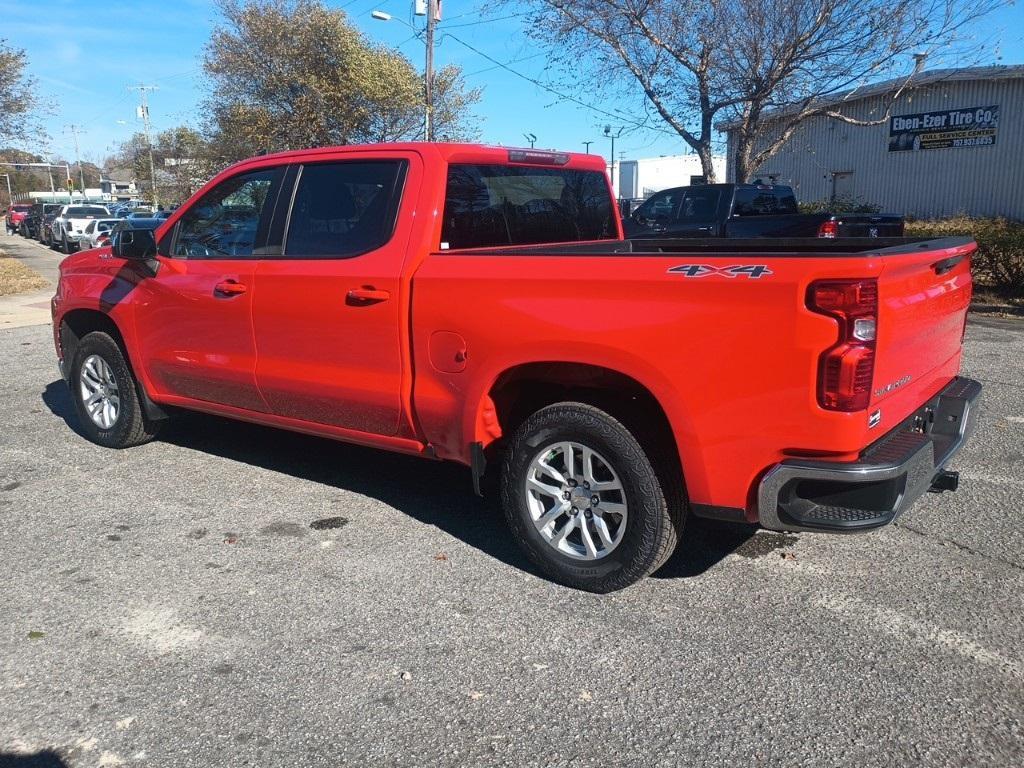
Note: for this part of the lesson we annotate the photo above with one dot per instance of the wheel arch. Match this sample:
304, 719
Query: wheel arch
77, 323
524, 388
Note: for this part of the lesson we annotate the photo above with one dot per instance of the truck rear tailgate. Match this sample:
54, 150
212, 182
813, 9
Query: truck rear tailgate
923, 296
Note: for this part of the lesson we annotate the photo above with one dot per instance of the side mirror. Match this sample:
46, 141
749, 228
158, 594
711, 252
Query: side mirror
135, 245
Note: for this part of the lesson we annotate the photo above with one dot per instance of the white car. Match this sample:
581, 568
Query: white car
69, 225
97, 233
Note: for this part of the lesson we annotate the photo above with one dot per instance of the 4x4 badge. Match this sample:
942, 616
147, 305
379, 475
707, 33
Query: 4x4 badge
736, 270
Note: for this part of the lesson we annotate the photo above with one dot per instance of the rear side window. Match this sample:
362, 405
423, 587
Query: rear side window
770, 201
497, 205
83, 211
341, 210
700, 204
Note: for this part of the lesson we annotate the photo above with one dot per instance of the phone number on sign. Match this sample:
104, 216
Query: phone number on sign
980, 141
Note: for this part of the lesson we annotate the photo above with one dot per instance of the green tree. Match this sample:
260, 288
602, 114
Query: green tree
181, 157
17, 97
288, 74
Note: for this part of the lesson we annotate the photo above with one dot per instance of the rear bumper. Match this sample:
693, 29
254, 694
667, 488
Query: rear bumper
892, 473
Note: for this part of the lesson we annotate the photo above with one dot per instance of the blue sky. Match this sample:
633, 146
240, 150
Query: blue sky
85, 54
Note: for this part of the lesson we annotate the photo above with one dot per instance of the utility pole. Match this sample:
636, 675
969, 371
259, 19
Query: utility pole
78, 157
432, 9
433, 14
10, 196
143, 112
587, 145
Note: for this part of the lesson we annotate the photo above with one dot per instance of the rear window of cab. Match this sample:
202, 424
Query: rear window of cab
501, 205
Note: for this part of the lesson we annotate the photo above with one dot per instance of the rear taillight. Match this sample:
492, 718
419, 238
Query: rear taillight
846, 369
828, 229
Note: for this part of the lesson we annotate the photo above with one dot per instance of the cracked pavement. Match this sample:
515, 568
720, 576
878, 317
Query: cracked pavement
231, 595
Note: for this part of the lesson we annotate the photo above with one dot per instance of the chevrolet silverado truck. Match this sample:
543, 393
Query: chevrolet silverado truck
747, 210
480, 305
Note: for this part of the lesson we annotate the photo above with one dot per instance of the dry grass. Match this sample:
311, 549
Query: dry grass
15, 277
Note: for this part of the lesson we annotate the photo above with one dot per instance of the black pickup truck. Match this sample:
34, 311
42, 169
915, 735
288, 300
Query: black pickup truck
747, 210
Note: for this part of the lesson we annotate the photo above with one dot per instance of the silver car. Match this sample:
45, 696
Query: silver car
97, 233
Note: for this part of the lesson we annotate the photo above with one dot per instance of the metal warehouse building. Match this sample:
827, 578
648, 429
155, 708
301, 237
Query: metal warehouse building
953, 143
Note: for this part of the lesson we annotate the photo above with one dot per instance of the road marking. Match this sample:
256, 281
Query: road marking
1015, 419
994, 479
857, 611
900, 625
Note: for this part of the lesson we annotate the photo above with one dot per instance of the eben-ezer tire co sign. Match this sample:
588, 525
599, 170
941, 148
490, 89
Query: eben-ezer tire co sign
970, 127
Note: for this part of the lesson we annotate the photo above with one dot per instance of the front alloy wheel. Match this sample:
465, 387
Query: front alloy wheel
99, 392
106, 394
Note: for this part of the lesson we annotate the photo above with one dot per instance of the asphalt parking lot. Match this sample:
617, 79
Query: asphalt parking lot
232, 595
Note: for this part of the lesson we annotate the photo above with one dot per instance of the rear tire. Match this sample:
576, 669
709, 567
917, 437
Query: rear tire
106, 394
604, 550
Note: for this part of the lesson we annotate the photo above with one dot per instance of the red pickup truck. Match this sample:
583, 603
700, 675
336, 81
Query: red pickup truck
479, 304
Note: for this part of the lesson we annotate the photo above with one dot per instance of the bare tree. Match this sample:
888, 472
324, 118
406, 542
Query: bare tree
696, 63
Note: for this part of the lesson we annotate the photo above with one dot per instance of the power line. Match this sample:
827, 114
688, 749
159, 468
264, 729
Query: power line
564, 96
483, 21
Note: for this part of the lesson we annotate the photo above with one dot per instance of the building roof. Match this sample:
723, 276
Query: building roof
920, 80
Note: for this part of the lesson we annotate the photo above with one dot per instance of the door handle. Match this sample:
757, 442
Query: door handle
228, 289
366, 295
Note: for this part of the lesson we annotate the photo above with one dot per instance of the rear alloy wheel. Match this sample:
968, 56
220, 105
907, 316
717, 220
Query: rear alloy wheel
106, 395
584, 501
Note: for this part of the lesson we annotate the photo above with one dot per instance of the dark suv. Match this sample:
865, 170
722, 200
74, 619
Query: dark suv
30, 224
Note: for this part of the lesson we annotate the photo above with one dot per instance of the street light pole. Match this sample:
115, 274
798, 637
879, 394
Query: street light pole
613, 137
10, 196
530, 137
587, 145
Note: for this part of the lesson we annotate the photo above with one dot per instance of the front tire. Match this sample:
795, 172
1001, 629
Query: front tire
583, 500
106, 395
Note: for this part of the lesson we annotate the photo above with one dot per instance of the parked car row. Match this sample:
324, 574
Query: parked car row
79, 226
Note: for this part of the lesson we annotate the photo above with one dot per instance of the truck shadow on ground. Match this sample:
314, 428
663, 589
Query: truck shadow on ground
45, 759
432, 492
